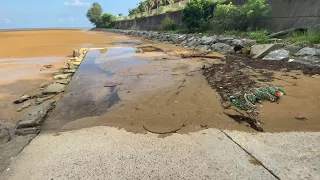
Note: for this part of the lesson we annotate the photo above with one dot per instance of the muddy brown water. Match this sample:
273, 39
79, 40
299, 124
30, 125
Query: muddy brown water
153, 91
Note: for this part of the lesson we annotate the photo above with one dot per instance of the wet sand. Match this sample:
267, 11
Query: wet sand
23, 54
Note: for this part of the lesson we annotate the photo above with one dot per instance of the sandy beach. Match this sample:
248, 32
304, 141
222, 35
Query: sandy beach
23, 55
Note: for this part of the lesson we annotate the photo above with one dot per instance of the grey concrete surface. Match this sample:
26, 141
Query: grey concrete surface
289, 155
110, 153
11, 149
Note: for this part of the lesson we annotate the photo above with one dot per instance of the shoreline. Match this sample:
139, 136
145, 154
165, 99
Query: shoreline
43, 29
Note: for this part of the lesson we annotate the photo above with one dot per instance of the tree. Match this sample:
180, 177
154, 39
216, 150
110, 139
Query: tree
134, 11
143, 7
170, 2
94, 14
150, 4
107, 20
120, 14
193, 14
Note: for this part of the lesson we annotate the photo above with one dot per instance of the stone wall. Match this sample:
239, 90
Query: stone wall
221, 44
285, 14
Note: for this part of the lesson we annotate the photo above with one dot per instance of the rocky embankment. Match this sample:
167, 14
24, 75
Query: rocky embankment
13, 137
228, 44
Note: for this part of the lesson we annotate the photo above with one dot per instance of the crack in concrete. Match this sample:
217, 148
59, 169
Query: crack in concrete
251, 155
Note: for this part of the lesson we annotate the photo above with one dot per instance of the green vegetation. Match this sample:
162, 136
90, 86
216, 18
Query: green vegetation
168, 24
305, 38
98, 19
231, 17
94, 14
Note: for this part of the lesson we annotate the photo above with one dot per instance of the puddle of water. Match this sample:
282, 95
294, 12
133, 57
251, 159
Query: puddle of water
87, 94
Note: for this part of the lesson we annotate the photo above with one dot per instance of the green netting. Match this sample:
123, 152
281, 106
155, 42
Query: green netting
247, 101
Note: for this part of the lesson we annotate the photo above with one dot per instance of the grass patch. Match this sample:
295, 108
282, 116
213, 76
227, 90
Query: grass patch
305, 38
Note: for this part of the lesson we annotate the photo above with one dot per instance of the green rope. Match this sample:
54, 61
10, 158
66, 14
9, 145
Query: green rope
247, 101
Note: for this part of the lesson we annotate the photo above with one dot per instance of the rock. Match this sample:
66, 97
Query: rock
41, 100
76, 63
66, 71
184, 43
27, 131
280, 54
63, 81
261, 50
222, 48
76, 53
4, 135
24, 106
225, 39
62, 76
21, 99
203, 47
308, 52
236, 42
292, 49
45, 84
35, 115
208, 40
309, 60
248, 42
192, 43
317, 76
54, 89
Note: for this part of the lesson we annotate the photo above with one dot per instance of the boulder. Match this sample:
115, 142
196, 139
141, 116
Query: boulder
280, 54
4, 135
62, 76
308, 52
184, 43
63, 81
21, 99
208, 40
204, 47
292, 49
222, 48
236, 42
261, 50
225, 39
309, 60
35, 116
27, 131
24, 106
192, 42
248, 42
43, 99
54, 89
76, 53
45, 84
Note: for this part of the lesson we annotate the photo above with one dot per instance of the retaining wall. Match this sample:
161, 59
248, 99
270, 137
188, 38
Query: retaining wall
285, 14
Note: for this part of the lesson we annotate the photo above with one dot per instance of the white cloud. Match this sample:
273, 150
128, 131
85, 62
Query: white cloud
76, 3
71, 19
61, 20
7, 21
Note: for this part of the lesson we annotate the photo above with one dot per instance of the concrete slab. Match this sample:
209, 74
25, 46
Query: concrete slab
11, 149
289, 155
261, 50
110, 153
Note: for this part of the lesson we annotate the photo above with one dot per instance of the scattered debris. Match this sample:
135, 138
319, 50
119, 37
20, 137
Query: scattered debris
301, 118
48, 66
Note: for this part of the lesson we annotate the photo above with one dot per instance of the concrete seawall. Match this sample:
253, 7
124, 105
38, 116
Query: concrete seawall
285, 14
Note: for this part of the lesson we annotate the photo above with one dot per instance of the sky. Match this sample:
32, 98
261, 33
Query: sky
16, 14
